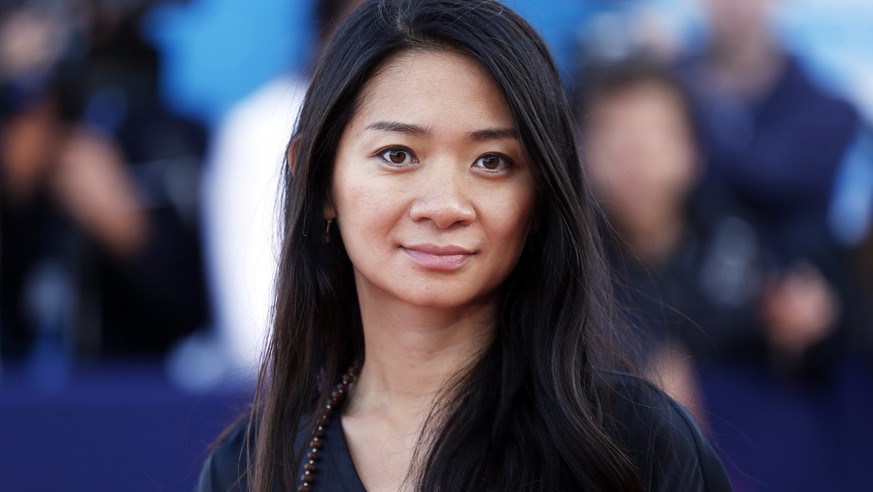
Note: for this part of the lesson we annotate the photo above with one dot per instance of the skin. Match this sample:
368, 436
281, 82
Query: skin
92, 184
745, 57
433, 198
800, 309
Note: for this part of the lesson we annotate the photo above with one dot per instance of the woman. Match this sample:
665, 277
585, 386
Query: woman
442, 302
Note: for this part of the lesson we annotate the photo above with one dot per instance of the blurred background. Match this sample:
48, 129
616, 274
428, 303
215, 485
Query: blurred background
729, 143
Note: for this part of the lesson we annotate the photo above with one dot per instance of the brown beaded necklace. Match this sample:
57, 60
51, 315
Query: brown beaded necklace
334, 404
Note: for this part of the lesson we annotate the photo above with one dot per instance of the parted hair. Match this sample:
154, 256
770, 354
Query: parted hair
524, 416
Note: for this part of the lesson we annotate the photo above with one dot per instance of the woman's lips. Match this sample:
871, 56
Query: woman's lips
445, 258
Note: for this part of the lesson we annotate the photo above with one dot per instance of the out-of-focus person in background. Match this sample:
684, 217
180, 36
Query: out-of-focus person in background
761, 275
774, 142
100, 246
240, 192
688, 273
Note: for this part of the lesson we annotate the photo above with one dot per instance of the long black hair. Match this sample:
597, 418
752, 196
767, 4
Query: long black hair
526, 415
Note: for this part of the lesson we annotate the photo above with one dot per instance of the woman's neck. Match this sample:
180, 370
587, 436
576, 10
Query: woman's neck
413, 352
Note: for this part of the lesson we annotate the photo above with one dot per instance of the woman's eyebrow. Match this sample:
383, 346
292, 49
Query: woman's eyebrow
494, 134
396, 126
416, 130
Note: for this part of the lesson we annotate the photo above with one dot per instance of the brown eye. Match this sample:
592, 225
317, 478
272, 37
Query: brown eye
397, 157
492, 163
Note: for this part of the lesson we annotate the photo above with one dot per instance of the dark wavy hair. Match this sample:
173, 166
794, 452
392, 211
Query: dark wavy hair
527, 415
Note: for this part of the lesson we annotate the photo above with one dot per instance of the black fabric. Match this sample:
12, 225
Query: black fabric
703, 296
663, 439
655, 431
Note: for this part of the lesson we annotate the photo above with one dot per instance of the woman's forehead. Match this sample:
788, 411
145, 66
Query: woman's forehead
433, 87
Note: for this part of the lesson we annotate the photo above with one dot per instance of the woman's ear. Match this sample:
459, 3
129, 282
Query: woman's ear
329, 210
291, 154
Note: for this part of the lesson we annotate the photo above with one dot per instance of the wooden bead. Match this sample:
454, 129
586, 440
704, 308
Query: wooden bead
336, 398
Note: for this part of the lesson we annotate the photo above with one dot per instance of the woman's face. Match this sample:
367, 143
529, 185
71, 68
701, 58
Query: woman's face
431, 190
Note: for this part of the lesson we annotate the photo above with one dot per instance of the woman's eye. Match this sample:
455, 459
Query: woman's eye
397, 157
493, 163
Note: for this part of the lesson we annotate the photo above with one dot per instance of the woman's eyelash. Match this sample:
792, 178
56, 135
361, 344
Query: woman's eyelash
396, 156
401, 156
493, 163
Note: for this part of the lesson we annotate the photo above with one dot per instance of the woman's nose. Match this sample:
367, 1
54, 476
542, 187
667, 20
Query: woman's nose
443, 197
